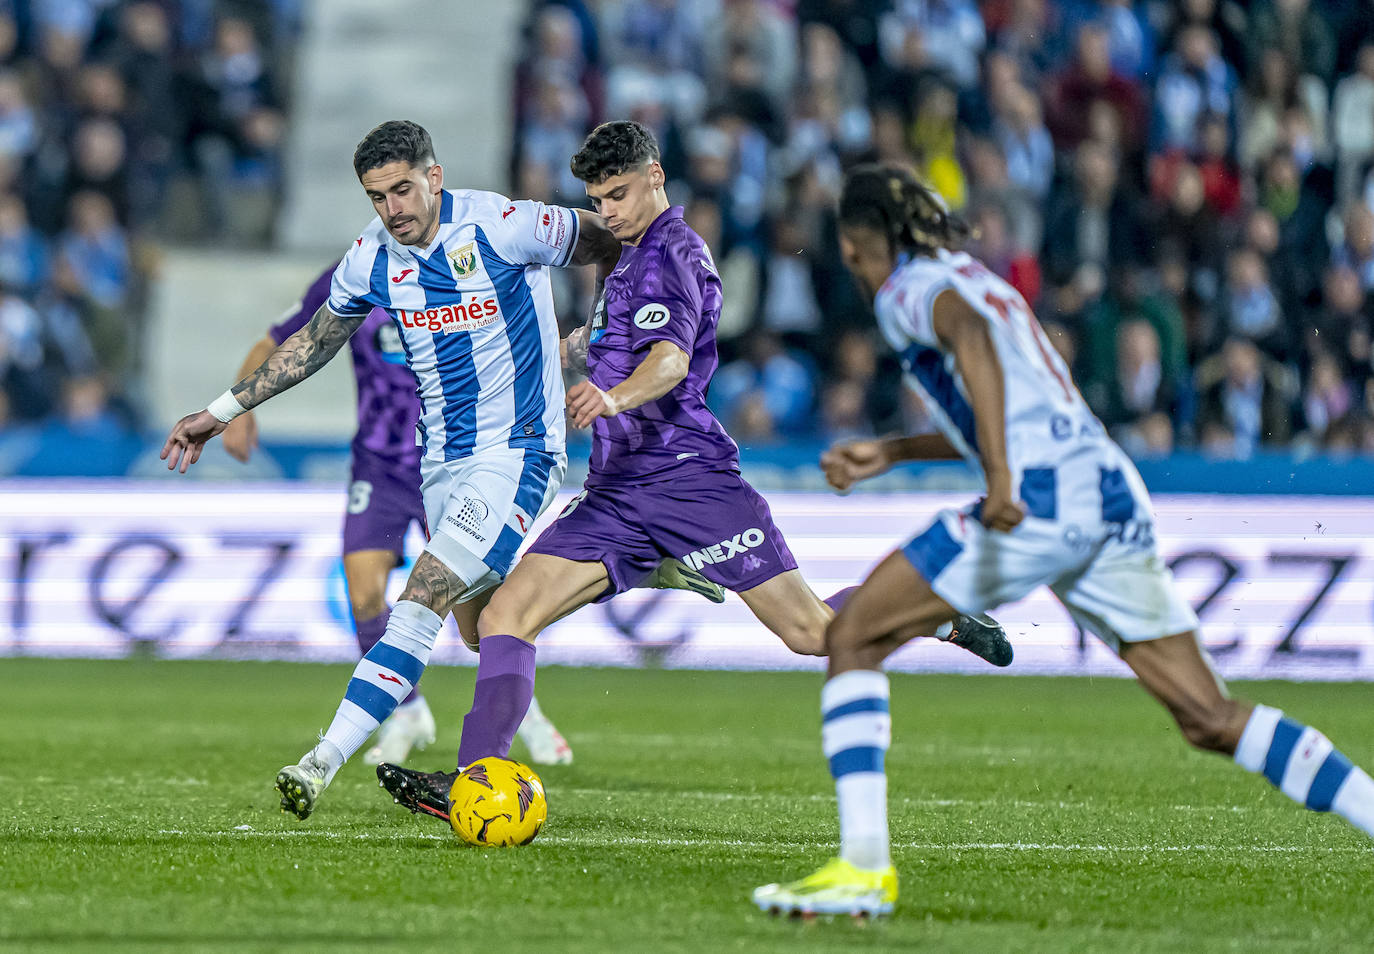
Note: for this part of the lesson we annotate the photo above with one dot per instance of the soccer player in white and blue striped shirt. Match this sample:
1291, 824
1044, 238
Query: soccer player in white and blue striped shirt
464, 274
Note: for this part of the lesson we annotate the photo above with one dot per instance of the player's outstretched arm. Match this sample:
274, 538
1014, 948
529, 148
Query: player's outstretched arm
662, 369
298, 357
241, 436
849, 462
964, 333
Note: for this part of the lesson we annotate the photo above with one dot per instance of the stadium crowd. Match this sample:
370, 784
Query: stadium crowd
120, 121
1181, 188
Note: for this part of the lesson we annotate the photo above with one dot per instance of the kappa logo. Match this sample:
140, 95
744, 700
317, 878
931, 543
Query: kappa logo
465, 261
751, 563
726, 549
651, 316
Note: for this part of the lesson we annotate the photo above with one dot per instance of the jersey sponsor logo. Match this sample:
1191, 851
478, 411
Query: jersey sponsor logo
552, 227
726, 549
451, 319
651, 316
397, 279
465, 262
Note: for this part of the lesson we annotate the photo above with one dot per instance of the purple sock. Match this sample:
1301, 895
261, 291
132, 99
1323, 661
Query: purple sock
505, 686
369, 631
837, 601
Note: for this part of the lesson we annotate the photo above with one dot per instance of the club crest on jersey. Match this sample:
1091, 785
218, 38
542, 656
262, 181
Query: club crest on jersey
651, 316
464, 261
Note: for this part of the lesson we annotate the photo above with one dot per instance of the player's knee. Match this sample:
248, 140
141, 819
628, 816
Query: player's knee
367, 602
503, 615
1209, 727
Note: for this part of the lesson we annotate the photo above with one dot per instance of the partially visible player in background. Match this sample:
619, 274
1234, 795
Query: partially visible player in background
664, 477
1065, 508
383, 501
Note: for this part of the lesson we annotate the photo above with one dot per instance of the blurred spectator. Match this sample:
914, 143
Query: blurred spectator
788, 304
659, 43
1299, 30
1352, 123
1139, 386
1089, 80
765, 395
1327, 397
1091, 227
1245, 400
1025, 141
945, 36
994, 245
1278, 105
23, 253
1342, 328
1250, 308
1356, 249
1194, 80
760, 34
18, 126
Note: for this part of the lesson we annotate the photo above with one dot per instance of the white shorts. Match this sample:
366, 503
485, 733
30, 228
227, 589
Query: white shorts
478, 509
1106, 572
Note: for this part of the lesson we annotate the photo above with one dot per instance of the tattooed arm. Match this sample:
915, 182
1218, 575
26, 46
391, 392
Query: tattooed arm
293, 361
596, 245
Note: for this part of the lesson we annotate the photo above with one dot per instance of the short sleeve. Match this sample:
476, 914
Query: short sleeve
905, 309
532, 233
667, 306
350, 289
297, 318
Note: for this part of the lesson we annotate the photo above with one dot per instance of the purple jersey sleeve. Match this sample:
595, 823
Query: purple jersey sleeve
669, 306
315, 296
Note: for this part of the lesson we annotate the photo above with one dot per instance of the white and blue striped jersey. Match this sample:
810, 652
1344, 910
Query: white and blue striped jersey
1048, 425
476, 317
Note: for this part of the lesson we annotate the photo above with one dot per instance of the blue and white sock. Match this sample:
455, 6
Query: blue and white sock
1303, 764
383, 677
856, 731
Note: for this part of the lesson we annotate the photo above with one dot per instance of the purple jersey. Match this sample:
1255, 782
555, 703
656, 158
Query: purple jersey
664, 289
387, 404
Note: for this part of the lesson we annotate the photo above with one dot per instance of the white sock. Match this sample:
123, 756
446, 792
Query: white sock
533, 717
855, 734
1303, 764
384, 677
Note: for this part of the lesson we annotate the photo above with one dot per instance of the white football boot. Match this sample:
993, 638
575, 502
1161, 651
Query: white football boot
411, 726
545, 743
301, 785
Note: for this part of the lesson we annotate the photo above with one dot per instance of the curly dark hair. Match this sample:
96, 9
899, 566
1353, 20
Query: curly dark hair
398, 140
612, 148
891, 200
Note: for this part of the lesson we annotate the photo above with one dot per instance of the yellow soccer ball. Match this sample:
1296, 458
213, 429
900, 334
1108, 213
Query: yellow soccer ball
497, 801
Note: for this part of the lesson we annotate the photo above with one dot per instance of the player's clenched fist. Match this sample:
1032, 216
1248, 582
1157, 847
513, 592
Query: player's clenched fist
846, 464
188, 439
587, 402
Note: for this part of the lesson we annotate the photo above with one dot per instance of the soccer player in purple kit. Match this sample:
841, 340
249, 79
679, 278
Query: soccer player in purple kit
664, 475
383, 501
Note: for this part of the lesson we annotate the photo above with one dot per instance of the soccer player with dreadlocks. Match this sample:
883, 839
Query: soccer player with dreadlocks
1064, 508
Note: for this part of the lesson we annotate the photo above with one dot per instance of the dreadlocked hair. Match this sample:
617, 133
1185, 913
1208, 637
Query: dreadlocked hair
891, 200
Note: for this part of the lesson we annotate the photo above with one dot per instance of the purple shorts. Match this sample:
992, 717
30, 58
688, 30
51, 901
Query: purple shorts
383, 499
714, 522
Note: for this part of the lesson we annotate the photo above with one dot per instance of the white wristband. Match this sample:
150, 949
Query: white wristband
226, 407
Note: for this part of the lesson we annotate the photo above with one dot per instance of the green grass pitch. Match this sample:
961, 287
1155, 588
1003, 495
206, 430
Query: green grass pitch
1028, 814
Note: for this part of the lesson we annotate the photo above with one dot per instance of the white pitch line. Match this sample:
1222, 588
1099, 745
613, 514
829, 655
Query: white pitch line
591, 840
910, 802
